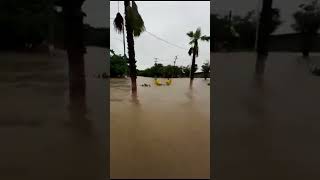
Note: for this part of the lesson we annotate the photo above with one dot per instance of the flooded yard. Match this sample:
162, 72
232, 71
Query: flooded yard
163, 133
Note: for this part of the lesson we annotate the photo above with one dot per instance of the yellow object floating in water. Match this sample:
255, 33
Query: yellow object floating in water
168, 82
157, 81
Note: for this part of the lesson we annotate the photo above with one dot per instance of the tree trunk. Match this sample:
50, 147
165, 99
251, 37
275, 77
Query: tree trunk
305, 53
263, 36
306, 44
260, 64
73, 22
51, 21
193, 64
132, 61
192, 67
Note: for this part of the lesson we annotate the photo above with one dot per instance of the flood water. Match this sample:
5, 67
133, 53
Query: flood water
163, 133
270, 131
38, 138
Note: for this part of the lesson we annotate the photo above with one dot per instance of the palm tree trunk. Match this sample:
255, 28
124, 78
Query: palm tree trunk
192, 67
263, 35
132, 61
73, 19
193, 64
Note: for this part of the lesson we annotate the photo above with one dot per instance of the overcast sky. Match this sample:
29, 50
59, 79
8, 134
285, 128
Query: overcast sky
287, 8
97, 12
169, 20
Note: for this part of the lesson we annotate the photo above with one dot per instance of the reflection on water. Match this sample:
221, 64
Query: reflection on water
163, 132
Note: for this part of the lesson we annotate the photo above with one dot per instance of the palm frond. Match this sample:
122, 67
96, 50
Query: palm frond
192, 42
118, 23
205, 38
139, 27
197, 34
112, 51
135, 20
190, 34
190, 51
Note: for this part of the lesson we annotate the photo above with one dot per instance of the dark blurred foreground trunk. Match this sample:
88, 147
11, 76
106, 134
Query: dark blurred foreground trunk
263, 37
74, 44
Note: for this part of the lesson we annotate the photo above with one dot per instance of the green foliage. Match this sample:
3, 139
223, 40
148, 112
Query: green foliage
118, 65
118, 23
206, 69
158, 70
275, 21
135, 20
240, 32
307, 18
246, 28
23, 22
220, 27
96, 36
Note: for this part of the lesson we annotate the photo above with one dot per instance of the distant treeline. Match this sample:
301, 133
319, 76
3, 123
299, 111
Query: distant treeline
97, 36
235, 32
159, 70
119, 68
34, 24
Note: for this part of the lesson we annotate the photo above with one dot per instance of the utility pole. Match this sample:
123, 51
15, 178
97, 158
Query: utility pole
156, 60
174, 65
124, 39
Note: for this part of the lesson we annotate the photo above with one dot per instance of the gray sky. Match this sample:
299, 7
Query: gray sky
287, 8
97, 12
169, 20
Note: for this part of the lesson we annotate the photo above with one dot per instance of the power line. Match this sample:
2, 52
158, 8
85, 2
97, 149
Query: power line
161, 39
165, 40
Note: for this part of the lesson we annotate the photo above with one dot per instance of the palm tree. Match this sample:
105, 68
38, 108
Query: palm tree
194, 50
307, 22
206, 70
134, 27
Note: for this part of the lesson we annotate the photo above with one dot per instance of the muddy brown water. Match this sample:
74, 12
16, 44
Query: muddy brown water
163, 133
38, 140
270, 132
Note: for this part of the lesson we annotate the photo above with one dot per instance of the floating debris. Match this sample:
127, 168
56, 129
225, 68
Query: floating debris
145, 85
